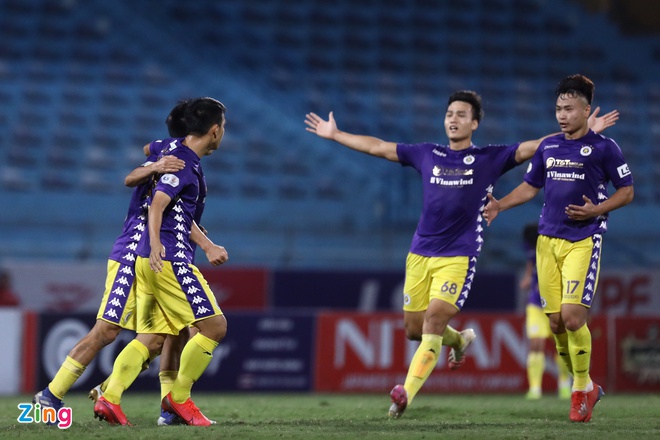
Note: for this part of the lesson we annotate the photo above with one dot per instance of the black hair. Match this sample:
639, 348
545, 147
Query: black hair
202, 113
471, 98
576, 85
530, 234
175, 121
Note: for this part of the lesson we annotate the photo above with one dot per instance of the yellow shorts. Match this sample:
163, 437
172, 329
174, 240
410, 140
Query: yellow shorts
172, 299
118, 303
568, 271
537, 324
446, 278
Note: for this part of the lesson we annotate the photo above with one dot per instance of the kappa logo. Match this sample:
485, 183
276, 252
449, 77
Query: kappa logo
197, 300
201, 310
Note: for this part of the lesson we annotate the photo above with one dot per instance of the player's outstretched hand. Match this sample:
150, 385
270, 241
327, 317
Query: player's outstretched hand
491, 210
607, 120
321, 127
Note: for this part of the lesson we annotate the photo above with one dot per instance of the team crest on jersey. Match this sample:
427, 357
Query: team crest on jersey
170, 179
585, 150
468, 160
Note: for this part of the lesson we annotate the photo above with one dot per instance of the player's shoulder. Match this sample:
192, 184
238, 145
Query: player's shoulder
495, 148
422, 145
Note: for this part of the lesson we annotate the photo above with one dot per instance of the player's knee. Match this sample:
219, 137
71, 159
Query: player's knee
105, 333
573, 324
413, 332
214, 328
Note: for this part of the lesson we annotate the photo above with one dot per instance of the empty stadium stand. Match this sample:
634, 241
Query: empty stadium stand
84, 85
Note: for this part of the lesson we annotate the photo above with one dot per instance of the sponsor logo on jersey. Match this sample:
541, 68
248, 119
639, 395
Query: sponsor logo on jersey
623, 170
441, 171
552, 162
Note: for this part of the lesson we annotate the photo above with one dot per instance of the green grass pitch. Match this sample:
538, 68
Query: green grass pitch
354, 416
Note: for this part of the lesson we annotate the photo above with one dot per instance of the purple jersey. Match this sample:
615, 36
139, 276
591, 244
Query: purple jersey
185, 189
570, 168
126, 244
455, 184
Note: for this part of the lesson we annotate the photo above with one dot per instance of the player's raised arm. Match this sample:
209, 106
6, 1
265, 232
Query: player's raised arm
598, 124
364, 144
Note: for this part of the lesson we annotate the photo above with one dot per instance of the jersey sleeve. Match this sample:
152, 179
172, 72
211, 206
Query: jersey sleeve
410, 155
535, 174
173, 183
508, 156
615, 166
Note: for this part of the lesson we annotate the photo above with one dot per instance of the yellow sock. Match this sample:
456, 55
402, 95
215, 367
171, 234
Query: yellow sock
423, 362
126, 368
145, 366
195, 357
561, 342
563, 379
563, 375
579, 344
451, 337
66, 376
104, 384
167, 379
535, 368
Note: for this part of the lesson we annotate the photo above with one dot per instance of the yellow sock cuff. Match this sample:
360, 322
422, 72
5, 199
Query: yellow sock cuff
207, 344
65, 377
167, 376
140, 347
451, 337
435, 340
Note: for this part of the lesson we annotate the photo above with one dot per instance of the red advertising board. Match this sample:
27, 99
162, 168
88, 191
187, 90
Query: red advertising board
637, 354
369, 353
238, 288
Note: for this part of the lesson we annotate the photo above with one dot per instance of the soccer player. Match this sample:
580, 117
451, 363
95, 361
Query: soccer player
117, 309
537, 325
171, 291
574, 168
441, 263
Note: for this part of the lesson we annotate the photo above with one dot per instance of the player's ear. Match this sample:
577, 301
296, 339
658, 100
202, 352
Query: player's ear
215, 131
